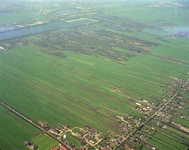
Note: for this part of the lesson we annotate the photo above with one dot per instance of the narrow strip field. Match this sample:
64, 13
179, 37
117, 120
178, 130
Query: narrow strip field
80, 89
181, 121
171, 141
14, 131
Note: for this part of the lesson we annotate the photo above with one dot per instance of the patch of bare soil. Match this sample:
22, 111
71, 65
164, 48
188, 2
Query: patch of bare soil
165, 2
116, 90
173, 78
113, 117
110, 109
184, 129
107, 59
154, 6
165, 127
169, 24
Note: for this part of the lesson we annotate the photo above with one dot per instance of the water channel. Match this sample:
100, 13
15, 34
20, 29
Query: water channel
41, 28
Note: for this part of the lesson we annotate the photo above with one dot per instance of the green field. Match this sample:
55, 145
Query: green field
53, 86
64, 29
90, 74
139, 35
145, 148
181, 121
186, 95
44, 142
122, 50
151, 14
72, 140
159, 145
171, 50
170, 140
31, 37
178, 134
75, 130
162, 142
14, 131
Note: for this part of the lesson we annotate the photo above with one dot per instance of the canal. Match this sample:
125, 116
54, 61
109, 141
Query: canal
41, 28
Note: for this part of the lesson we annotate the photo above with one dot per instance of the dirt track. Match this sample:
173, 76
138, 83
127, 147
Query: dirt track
178, 61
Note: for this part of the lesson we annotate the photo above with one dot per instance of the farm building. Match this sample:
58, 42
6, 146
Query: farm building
2, 48
138, 104
55, 148
64, 148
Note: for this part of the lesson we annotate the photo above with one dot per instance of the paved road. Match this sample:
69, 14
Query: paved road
155, 112
52, 136
167, 102
31, 122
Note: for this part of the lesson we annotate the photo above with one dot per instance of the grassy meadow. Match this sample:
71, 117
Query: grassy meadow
172, 141
75, 130
153, 14
145, 148
44, 142
72, 140
14, 131
80, 89
175, 49
165, 141
31, 37
181, 121
130, 54
15, 17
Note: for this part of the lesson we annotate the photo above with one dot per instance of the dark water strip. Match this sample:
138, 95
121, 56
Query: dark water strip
40, 28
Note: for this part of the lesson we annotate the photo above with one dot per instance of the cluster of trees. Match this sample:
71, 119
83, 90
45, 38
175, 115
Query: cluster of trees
81, 43
129, 42
92, 45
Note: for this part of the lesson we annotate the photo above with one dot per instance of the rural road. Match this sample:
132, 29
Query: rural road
32, 123
167, 102
155, 112
53, 137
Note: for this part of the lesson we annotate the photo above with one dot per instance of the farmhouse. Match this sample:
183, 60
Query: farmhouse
63, 148
62, 127
54, 131
145, 101
2, 48
67, 126
181, 107
55, 148
180, 97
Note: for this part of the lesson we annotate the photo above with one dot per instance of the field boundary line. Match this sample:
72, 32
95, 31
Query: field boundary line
31, 122
142, 124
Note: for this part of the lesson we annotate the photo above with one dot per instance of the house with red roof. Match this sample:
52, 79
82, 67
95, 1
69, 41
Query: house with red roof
64, 148
55, 148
